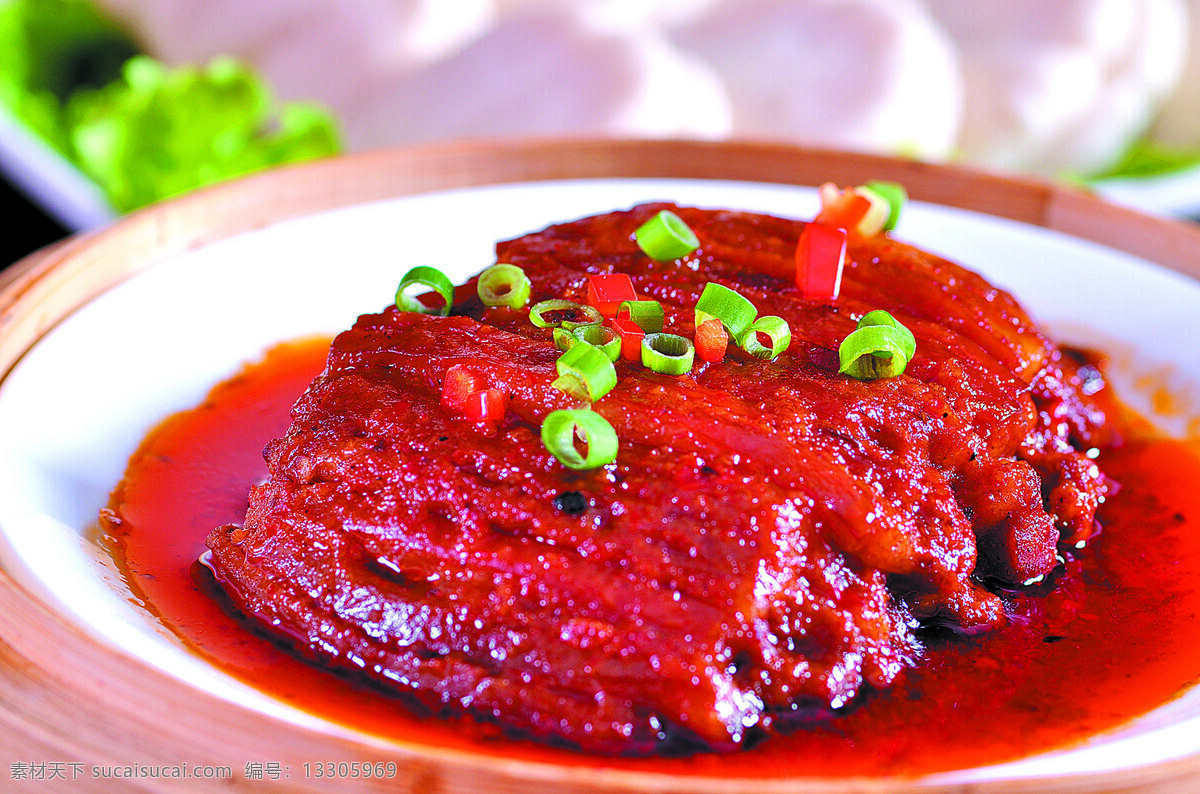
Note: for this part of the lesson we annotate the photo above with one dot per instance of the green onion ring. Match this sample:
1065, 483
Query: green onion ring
874, 351
585, 372
561, 428
774, 327
666, 237
536, 314
564, 340
647, 314
592, 316
504, 285
608, 340
426, 277
595, 335
669, 354
896, 196
734, 310
881, 317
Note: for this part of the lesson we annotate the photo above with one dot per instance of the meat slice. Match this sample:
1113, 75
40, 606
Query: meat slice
764, 548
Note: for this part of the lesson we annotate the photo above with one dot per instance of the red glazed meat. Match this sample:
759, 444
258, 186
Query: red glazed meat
765, 547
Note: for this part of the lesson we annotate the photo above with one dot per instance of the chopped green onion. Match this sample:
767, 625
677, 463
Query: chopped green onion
588, 315
585, 373
561, 428
564, 340
669, 354
666, 237
504, 285
606, 339
567, 314
733, 310
878, 211
873, 351
429, 277
881, 347
551, 309
881, 317
647, 314
774, 327
896, 196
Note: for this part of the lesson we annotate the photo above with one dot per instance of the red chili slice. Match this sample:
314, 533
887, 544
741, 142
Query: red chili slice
487, 405
631, 338
459, 384
842, 210
711, 340
606, 293
820, 256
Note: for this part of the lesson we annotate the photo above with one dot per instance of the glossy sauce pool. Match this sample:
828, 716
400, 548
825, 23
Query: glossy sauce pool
1117, 635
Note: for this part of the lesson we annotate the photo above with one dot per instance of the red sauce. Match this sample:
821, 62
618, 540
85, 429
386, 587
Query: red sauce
1115, 636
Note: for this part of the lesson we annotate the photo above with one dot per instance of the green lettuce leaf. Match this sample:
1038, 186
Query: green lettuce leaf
1146, 158
141, 130
159, 132
48, 50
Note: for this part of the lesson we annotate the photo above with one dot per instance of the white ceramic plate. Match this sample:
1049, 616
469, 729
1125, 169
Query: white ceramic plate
78, 404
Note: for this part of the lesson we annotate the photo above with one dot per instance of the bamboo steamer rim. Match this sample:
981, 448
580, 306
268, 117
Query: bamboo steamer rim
67, 697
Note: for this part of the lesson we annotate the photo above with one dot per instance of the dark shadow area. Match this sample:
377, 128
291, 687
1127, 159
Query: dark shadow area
26, 228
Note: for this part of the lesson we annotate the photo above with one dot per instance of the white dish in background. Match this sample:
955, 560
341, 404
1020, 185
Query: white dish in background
78, 404
60, 189
1176, 194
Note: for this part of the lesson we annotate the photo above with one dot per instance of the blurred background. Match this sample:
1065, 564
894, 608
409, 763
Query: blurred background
109, 105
